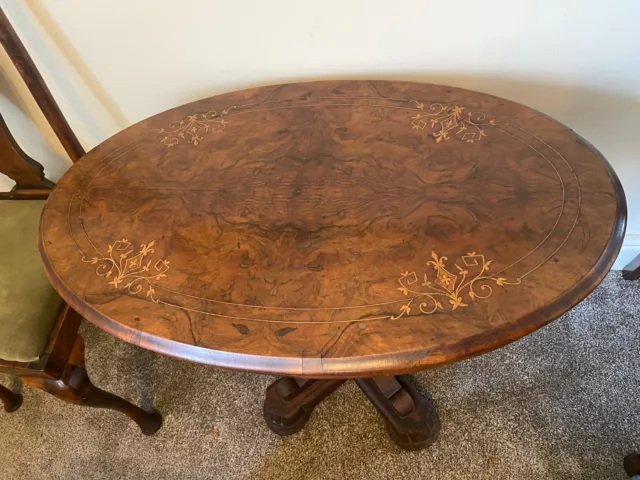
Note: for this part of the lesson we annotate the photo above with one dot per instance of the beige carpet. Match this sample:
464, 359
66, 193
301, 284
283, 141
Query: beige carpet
563, 403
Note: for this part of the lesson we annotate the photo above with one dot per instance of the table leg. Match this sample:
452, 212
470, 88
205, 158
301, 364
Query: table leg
290, 401
632, 464
75, 387
11, 401
412, 420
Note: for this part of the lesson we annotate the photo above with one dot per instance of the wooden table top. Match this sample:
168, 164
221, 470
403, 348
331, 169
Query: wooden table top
343, 229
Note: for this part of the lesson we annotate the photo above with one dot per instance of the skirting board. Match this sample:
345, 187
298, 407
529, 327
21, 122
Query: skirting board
630, 250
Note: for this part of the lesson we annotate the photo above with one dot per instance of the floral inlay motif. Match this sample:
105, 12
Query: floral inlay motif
127, 269
439, 284
447, 119
193, 128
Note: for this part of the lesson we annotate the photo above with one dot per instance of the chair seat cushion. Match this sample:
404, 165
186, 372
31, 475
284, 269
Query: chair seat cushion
29, 305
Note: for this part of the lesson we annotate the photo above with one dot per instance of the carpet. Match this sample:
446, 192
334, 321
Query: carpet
562, 403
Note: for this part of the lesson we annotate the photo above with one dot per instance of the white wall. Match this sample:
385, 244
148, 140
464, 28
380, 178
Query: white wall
113, 62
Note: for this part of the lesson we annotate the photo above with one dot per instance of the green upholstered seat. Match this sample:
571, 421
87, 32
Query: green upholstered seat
28, 303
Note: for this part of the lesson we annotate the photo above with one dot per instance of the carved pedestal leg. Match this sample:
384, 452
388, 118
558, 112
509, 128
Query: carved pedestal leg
11, 401
290, 401
412, 420
75, 387
632, 464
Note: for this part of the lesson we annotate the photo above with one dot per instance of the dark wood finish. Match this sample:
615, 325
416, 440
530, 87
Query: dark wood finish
38, 88
632, 464
412, 420
10, 400
75, 387
18, 166
60, 370
290, 401
337, 229
26, 194
632, 271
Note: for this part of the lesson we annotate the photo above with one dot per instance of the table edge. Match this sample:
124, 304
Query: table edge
372, 365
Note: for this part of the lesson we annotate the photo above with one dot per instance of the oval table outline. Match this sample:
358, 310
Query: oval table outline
403, 362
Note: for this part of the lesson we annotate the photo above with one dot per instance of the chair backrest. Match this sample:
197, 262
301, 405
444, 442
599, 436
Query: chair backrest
14, 162
21, 168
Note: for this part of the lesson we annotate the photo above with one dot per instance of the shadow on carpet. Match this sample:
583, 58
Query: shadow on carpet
562, 403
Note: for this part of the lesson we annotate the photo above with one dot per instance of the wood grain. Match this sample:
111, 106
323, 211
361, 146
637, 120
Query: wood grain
334, 229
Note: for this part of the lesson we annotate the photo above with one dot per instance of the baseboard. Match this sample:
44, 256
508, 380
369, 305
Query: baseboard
630, 250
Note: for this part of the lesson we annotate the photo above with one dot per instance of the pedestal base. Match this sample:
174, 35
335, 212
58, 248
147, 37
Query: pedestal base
290, 401
412, 420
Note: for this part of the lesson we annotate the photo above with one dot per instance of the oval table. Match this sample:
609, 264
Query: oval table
334, 230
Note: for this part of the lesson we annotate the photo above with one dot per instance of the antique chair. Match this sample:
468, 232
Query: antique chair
39, 338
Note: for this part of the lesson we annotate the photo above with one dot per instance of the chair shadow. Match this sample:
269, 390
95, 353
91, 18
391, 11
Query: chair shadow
78, 64
145, 380
16, 385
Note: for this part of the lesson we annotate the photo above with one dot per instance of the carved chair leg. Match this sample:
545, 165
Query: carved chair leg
290, 401
75, 387
412, 420
11, 401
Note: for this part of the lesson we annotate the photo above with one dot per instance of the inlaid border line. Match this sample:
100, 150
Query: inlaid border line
85, 184
265, 320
